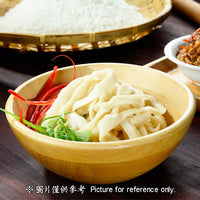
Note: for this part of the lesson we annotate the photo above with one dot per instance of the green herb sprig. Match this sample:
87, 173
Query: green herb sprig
57, 128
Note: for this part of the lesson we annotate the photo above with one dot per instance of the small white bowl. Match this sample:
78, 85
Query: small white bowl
171, 51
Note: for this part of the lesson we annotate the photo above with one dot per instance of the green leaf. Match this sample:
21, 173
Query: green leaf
54, 131
83, 136
38, 128
56, 116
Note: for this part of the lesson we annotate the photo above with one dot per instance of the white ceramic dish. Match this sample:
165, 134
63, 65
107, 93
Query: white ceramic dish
190, 71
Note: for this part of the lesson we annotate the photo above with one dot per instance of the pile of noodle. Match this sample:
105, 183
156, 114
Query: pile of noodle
112, 109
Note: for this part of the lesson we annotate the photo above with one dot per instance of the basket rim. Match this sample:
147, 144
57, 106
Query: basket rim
90, 37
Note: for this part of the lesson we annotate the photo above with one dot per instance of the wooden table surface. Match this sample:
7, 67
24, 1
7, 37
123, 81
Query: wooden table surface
21, 177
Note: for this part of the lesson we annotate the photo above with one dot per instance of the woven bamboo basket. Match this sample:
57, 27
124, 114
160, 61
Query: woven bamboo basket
155, 12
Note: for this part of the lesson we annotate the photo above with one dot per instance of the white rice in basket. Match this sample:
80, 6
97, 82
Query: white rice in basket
69, 16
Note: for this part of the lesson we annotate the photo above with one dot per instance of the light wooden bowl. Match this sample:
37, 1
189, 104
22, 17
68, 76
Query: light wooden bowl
155, 11
108, 162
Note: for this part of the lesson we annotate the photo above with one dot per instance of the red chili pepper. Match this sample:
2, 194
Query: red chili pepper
29, 112
31, 102
42, 112
33, 117
186, 40
50, 92
53, 90
49, 83
182, 47
30, 109
71, 61
39, 106
21, 115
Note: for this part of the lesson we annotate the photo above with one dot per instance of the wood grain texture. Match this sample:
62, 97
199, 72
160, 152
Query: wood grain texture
18, 170
165, 65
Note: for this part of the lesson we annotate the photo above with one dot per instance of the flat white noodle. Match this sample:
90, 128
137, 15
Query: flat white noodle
112, 109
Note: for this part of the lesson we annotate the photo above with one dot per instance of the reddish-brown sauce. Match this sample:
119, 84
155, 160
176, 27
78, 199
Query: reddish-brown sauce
191, 52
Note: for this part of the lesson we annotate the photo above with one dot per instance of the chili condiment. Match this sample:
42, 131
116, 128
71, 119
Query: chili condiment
191, 52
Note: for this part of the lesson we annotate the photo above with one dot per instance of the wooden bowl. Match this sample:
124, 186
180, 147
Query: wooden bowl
155, 12
108, 162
